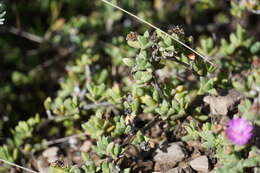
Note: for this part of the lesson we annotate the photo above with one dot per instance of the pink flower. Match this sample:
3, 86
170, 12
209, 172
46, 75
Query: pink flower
239, 131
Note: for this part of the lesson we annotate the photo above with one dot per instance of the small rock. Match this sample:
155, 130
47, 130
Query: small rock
188, 170
73, 143
86, 146
221, 105
171, 156
175, 170
200, 164
52, 159
51, 154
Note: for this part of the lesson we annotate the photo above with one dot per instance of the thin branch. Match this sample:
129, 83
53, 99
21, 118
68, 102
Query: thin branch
184, 64
153, 26
51, 61
18, 166
131, 137
45, 64
94, 105
158, 87
64, 139
24, 34
254, 11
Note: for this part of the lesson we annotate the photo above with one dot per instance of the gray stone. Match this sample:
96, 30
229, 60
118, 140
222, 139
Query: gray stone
221, 105
51, 154
171, 156
175, 170
200, 164
86, 146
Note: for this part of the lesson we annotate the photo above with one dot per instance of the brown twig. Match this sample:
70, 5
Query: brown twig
24, 34
184, 64
130, 138
51, 61
94, 105
64, 139
18, 166
158, 87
